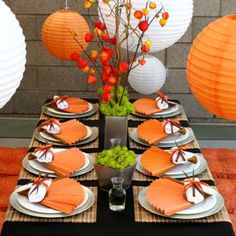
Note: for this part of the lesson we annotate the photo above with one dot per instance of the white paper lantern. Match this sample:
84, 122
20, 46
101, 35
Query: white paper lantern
149, 78
12, 54
180, 12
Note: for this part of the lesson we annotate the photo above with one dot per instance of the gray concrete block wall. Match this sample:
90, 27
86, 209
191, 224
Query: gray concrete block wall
46, 76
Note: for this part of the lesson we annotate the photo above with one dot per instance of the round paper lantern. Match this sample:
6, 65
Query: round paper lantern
211, 68
56, 35
180, 11
148, 78
12, 54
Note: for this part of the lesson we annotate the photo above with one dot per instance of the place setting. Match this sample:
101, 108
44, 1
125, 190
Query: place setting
159, 107
52, 198
167, 133
67, 107
184, 200
175, 162
67, 133
58, 162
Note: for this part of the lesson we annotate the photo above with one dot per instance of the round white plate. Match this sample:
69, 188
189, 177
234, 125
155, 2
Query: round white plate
39, 208
172, 141
90, 202
202, 213
178, 169
29, 168
52, 139
52, 110
41, 168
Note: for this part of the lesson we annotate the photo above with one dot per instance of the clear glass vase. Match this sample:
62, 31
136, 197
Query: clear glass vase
117, 195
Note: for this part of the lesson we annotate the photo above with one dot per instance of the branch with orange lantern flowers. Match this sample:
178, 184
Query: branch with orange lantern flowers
108, 60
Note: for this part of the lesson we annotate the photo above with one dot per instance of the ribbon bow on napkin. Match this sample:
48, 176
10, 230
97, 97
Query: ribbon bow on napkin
42, 154
172, 126
51, 126
61, 102
162, 101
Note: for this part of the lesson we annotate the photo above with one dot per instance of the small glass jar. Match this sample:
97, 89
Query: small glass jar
117, 195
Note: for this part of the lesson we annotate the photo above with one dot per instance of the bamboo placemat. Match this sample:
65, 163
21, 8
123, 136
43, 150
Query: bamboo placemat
95, 116
24, 174
142, 215
93, 144
89, 216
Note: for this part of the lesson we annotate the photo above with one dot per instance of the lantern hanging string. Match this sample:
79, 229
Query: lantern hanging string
66, 5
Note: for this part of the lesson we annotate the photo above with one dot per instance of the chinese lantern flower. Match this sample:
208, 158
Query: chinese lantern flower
107, 88
138, 14
106, 97
143, 25
104, 57
124, 66
107, 70
75, 56
105, 37
86, 69
98, 32
89, 37
115, 71
142, 61
81, 63
109, 51
98, 24
111, 80
145, 48
145, 11
165, 15
106, 1
94, 55
112, 40
152, 5
148, 43
162, 22
91, 79
92, 71
87, 4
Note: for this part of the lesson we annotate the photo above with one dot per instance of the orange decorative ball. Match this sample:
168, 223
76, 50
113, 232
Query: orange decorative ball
56, 35
211, 67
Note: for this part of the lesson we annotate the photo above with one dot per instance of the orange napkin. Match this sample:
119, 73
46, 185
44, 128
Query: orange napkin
146, 106
66, 162
71, 131
156, 161
64, 195
76, 105
167, 196
151, 131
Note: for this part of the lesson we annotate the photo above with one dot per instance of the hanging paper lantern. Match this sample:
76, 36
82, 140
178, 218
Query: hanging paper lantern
12, 54
211, 68
180, 12
148, 78
56, 35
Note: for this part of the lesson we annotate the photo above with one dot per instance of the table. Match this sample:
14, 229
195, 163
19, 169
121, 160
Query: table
99, 220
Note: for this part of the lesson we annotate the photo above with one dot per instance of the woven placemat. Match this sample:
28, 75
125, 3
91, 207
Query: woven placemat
93, 144
26, 175
135, 145
142, 215
95, 116
89, 216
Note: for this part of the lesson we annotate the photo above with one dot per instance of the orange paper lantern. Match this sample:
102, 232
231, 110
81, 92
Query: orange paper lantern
56, 35
211, 68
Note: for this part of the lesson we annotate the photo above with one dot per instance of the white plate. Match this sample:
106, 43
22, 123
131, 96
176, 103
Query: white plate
90, 202
170, 141
68, 113
39, 208
218, 206
178, 169
41, 168
29, 168
52, 139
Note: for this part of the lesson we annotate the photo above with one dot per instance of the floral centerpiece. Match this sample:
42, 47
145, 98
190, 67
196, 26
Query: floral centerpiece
114, 57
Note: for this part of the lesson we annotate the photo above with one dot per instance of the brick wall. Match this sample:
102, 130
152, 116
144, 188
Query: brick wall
46, 76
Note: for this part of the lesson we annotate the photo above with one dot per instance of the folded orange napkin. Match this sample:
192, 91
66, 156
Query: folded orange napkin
167, 196
75, 105
64, 195
146, 106
156, 161
69, 132
151, 131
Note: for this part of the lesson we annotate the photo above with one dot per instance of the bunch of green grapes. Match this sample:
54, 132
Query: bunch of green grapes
117, 158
